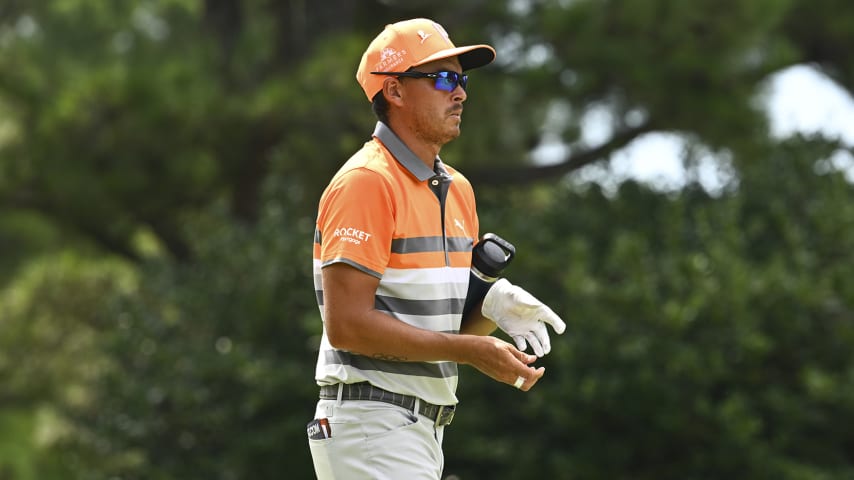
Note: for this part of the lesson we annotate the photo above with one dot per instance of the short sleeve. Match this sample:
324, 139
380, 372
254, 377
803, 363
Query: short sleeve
356, 221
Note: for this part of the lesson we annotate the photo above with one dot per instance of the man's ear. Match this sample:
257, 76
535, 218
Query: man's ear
393, 91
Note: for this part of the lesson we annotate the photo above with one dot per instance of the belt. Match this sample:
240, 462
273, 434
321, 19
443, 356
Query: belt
440, 414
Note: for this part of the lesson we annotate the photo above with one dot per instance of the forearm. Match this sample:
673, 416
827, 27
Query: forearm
376, 334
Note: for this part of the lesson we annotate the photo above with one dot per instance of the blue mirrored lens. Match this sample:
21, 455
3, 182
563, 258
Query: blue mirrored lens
448, 81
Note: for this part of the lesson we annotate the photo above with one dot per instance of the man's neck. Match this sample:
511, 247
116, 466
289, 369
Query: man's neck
426, 152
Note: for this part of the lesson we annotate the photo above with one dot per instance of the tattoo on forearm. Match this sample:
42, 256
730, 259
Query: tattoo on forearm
388, 358
384, 356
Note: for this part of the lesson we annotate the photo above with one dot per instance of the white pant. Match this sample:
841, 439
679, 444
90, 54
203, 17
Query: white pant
377, 441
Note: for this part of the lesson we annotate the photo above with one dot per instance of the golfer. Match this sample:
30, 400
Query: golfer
392, 255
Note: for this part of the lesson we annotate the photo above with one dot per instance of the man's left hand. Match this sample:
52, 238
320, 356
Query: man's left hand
521, 316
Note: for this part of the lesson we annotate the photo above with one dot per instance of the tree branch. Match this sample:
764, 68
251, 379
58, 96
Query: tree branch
526, 174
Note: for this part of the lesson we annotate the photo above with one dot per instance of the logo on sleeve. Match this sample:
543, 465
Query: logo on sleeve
352, 235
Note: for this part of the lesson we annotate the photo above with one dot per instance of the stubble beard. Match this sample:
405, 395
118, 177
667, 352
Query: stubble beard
436, 132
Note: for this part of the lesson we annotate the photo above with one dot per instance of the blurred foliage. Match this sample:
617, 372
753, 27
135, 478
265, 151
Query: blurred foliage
160, 164
708, 337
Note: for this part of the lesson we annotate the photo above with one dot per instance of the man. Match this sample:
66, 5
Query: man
392, 255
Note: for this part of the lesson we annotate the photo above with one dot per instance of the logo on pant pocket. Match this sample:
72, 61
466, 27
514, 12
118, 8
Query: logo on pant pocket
318, 429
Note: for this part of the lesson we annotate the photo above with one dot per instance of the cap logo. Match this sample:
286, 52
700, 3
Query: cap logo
387, 52
423, 36
390, 58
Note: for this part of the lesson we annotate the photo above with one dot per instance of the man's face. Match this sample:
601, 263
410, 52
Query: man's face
433, 115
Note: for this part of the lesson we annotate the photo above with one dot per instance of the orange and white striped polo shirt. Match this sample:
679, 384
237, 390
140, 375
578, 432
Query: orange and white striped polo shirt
380, 214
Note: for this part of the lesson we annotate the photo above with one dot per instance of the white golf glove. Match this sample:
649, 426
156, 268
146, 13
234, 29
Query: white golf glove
521, 316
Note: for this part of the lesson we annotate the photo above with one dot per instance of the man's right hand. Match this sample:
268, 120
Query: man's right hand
503, 362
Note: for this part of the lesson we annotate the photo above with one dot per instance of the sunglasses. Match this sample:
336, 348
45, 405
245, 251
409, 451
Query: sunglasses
446, 81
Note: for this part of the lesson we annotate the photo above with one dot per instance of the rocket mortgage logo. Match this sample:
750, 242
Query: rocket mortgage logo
352, 235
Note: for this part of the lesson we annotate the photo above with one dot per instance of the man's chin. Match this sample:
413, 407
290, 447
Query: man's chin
456, 126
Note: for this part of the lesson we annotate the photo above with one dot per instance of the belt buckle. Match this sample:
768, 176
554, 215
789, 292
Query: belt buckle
445, 415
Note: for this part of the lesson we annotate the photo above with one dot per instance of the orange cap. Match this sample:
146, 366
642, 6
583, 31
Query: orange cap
410, 43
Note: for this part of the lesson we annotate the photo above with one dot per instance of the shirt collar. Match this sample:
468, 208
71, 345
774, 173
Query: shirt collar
402, 153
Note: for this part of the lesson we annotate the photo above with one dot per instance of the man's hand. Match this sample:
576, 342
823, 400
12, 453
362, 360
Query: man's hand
501, 361
521, 316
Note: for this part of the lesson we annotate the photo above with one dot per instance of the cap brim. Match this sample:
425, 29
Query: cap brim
471, 56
